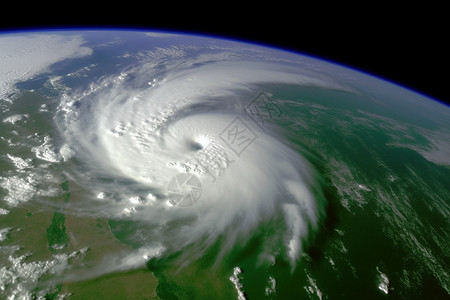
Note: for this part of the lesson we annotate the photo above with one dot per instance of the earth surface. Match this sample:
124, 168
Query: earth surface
144, 165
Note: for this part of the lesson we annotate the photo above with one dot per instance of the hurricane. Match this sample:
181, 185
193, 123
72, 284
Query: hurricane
164, 165
135, 132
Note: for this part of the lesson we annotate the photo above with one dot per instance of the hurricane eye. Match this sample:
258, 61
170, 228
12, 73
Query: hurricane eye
195, 146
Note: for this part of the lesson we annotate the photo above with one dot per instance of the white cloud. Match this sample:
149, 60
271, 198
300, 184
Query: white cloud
24, 56
161, 34
145, 135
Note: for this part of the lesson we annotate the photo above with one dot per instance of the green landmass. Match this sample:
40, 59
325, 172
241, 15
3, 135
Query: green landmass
56, 232
132, 285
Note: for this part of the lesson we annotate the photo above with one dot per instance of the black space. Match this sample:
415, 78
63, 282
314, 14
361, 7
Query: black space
405, 45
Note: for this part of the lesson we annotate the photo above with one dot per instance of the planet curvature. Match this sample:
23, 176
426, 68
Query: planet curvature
164, 165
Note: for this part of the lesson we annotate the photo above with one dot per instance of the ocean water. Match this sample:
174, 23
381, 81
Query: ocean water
372, 159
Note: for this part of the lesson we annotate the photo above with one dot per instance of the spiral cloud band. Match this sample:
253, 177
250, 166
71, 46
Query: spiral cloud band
139, 129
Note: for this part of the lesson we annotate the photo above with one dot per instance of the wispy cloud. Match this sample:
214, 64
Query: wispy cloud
144, 133
23, 57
